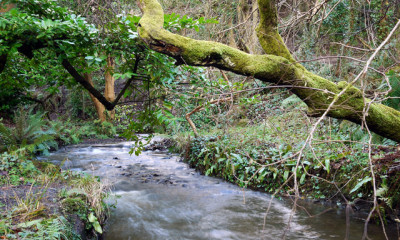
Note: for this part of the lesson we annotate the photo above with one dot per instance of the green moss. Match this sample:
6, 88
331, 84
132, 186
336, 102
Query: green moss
243, 122
351, 90
267, 32
74, 206
384, 121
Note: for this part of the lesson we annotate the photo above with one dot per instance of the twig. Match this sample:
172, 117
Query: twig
240, 24
356, 48
197, 109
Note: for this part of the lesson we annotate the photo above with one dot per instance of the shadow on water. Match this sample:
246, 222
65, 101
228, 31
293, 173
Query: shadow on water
162, 198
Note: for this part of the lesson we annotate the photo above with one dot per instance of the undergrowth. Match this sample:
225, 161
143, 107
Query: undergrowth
264, 156
38, 200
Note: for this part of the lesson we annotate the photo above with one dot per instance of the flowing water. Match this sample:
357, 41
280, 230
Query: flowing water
160, 198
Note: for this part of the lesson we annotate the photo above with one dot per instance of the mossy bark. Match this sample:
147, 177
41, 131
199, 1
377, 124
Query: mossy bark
267, 31
277, 66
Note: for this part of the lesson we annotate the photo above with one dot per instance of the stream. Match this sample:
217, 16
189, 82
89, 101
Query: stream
159, 197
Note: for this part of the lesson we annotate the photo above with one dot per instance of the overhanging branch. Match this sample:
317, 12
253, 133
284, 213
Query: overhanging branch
277, 67
128, 83
99, 96
81, 80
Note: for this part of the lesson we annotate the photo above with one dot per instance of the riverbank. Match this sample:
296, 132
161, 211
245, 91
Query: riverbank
38, 200
250, 158
161, 197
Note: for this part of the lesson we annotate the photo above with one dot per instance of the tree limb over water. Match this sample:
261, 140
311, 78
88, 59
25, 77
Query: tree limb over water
277, 66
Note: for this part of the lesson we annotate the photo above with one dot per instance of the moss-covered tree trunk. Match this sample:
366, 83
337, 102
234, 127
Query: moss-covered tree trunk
277, 66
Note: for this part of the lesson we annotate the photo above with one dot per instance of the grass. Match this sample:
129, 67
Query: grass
36, 196
95, 191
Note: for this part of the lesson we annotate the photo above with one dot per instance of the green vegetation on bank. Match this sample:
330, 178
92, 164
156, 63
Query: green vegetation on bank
259, 149
40, 201
249, 158
36, 135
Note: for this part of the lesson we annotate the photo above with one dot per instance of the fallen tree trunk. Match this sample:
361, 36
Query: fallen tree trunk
277, 66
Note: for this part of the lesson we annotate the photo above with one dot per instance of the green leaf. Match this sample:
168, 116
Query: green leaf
92, 218
303, 177
360, 184
327, 165
97, 227
286, 175
380, 192
128, 92
30, 224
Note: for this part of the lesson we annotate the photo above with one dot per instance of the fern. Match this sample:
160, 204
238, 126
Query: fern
27, 133
6, 136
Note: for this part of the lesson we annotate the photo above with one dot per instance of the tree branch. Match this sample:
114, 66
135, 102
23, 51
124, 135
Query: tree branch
71, 70
267, 31
81, 80
279, 69
199, 108
128, 83
29, 46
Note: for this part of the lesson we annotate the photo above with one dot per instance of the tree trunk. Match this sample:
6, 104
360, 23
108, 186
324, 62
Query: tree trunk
6, 8
100, 109
278, 67
247, 14
109, 92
